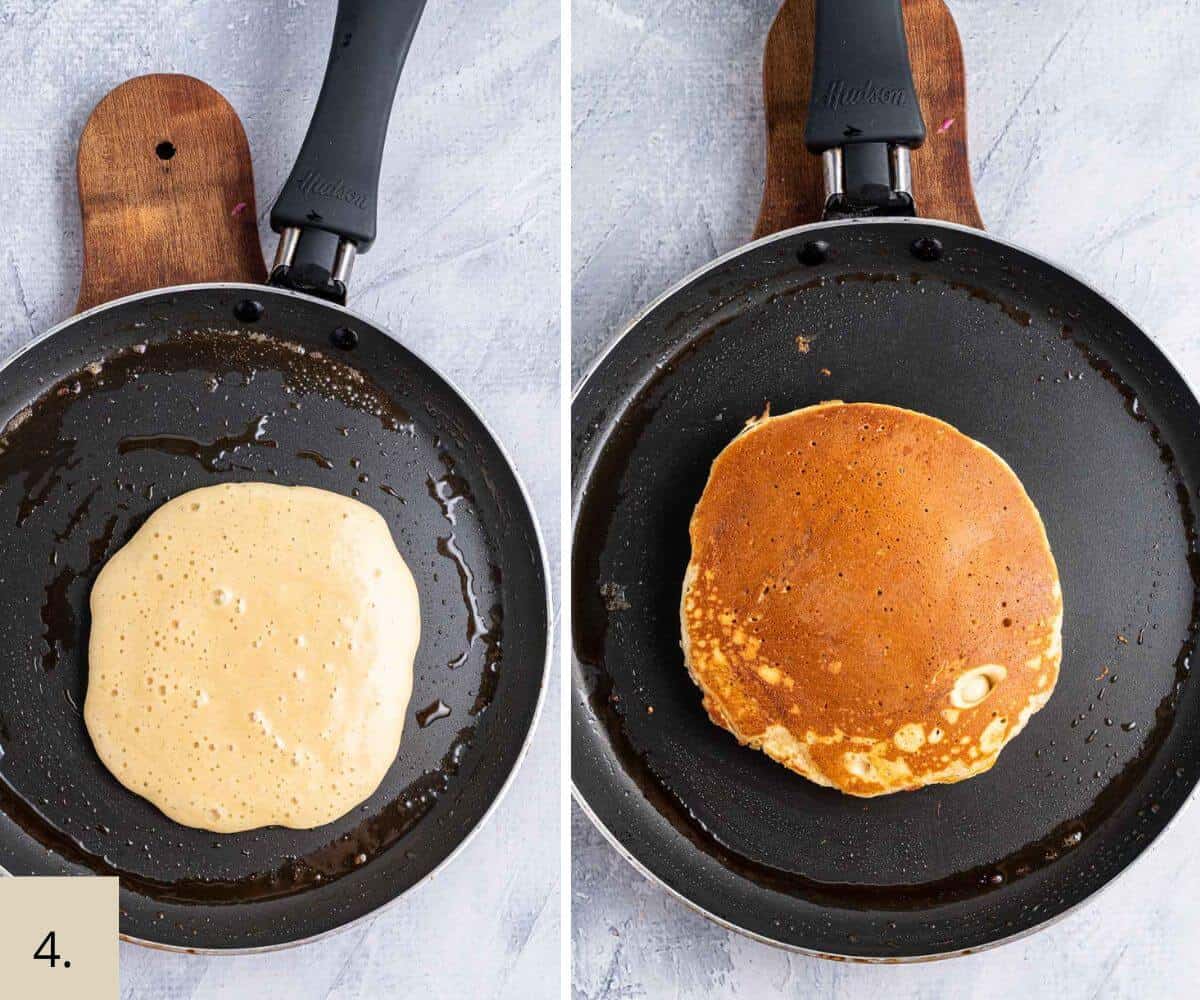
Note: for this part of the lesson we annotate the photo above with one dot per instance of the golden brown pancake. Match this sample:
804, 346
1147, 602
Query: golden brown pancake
871, 598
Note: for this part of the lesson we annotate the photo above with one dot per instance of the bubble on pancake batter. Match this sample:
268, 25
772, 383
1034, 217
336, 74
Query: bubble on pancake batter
992, 737
910, 738
973, 686
861, 766
771, 675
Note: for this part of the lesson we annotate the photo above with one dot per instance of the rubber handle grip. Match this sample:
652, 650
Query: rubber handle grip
862, 84
335, 183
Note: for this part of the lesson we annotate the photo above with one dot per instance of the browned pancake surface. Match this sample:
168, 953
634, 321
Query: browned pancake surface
871, 598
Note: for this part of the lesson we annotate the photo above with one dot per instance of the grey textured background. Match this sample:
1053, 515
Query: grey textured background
1085, 139
465, 270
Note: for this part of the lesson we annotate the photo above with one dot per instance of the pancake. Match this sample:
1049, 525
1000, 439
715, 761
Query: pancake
251, 657
871, 598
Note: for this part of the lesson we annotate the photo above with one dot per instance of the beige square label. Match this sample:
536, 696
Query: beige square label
58, 937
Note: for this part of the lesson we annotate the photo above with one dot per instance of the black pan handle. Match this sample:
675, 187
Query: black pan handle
863, 113
325, 214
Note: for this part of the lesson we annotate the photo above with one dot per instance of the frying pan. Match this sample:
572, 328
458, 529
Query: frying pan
1019, 354
132, 402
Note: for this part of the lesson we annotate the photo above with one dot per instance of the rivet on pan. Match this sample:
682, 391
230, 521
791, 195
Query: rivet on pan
248, 310
814, 252
164, 150
927, 248
344, 338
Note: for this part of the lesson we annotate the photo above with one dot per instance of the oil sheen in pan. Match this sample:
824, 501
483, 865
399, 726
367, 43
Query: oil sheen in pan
79, 483
607, 703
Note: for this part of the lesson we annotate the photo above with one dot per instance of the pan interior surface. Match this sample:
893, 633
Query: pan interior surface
1101, 430
141, 401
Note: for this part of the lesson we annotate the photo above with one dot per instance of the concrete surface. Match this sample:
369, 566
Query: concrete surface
465, 270
1085, 140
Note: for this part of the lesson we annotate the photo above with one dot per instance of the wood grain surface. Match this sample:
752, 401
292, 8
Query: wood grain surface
793, 193
166, 191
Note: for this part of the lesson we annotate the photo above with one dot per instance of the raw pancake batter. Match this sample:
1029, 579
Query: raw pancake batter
871, 598
251, 656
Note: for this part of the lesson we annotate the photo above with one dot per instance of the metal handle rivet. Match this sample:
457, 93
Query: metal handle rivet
814, 252
927, 248
248, 310
344, 339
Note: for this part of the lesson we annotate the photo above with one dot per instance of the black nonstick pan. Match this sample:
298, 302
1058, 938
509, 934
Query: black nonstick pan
129, 404
1017, 353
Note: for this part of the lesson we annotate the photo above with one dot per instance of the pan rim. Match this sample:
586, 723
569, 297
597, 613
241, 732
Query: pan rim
543, 565
585, 379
